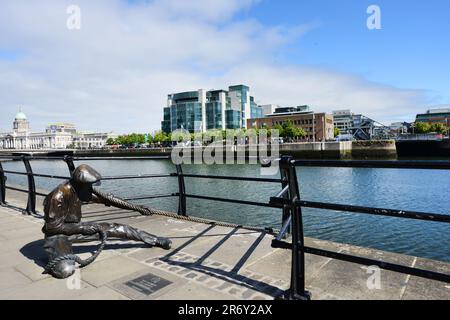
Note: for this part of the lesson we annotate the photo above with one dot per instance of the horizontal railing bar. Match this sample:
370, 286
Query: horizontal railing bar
251, 203
121, 158
152, 197
85, 158
139, 176
392, 164
41, 175
25, 191
378, 211
383, 265
230, 178
368, 262
16, 189
16, 172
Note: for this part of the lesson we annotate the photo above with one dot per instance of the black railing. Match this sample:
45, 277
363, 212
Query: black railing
290, 198
69, 160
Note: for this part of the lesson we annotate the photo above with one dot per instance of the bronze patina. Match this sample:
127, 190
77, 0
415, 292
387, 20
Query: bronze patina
63, 225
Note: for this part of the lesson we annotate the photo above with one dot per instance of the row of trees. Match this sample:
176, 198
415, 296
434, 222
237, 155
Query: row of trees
287, 131
423, 127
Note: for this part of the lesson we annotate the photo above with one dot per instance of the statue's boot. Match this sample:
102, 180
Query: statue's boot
126, 232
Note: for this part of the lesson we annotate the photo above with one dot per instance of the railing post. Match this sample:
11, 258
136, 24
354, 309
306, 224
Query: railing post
69, 161
2, 186
181, 191
286, 208
297, 290
31, 204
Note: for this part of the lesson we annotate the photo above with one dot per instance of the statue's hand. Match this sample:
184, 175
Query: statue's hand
91, 229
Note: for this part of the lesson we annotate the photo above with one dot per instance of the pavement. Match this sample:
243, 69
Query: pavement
206, 262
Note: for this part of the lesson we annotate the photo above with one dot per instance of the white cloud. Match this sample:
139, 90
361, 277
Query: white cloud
115, 73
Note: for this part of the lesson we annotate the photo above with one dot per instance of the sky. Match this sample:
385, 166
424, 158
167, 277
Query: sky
115, 72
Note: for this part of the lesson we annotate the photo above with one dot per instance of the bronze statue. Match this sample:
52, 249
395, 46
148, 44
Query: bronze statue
62, 209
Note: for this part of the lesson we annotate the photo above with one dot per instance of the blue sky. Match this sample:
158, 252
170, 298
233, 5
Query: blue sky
412, 49
116, 71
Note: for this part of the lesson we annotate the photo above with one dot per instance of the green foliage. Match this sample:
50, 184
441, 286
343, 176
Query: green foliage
438, 128
421, 127
336, 131
161, 137
289, 131
130, 139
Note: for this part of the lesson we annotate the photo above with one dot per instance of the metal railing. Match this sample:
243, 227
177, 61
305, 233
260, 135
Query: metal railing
291, 199
288, 200
182, 195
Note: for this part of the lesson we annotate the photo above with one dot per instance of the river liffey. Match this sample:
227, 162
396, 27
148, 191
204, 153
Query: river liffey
418, 190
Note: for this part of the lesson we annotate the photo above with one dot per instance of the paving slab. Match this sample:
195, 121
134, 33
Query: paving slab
106, 270
205, 262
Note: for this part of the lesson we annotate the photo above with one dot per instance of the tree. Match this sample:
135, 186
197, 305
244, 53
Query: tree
280, 130
421, 127
290, 131
160, 137
336, 131
438, 128
110, 141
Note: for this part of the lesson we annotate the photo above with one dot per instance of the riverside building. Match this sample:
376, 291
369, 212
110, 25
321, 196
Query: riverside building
318, 126
55, 136
441, 115
201, 110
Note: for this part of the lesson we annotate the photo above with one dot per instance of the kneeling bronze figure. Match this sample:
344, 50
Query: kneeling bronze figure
62, 209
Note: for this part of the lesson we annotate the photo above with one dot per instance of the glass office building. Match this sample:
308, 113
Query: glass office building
198, 111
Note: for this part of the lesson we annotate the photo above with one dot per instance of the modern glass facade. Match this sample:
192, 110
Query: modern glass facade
198, 111
255, 110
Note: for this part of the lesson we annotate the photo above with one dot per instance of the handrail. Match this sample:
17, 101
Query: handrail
294, 201
288, 199
181, 194
377, 164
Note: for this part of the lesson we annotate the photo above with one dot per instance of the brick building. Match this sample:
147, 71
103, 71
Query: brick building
318, 124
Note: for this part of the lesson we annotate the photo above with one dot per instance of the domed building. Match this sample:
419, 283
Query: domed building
21, 123
56, 136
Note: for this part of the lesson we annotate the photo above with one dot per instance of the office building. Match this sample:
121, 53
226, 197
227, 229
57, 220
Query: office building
201, 110
441, 115
318, 126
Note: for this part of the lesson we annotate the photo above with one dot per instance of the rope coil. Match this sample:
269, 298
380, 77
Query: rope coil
50, 267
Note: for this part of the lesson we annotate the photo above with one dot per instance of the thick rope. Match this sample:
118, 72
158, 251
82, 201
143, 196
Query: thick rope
110, 199
73, 257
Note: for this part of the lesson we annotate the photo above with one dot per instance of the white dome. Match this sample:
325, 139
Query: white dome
21, 116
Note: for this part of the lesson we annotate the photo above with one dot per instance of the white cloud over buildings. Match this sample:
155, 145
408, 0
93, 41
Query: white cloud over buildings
115, 73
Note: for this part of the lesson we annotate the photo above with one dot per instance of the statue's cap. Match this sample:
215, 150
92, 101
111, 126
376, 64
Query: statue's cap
86, 174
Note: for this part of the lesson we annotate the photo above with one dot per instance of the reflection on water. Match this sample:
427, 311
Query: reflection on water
419, 190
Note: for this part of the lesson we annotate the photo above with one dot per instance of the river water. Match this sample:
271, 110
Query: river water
419, 190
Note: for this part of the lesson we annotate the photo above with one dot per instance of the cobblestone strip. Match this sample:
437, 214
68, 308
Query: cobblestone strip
264, 287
